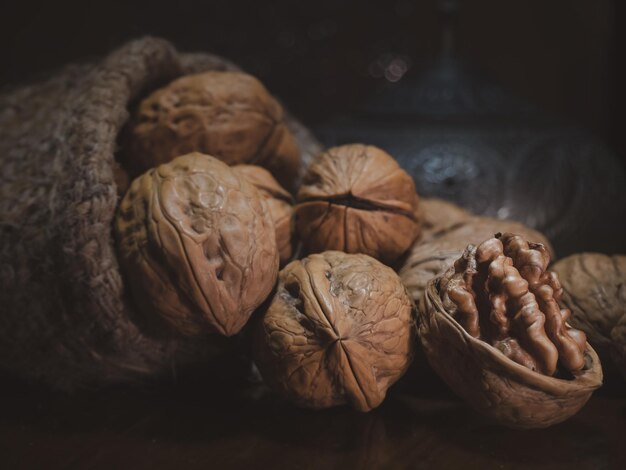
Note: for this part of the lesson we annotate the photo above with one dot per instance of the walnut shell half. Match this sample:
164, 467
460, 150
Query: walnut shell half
229, 115
357, 199
197, 245
339, 329
618, 336
491, 320
279, 203
594, 289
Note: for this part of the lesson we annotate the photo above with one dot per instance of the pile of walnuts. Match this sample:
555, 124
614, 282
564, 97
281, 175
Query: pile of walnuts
215, 209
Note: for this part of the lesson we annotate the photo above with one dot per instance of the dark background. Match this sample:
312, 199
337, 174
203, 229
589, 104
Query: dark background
323, 57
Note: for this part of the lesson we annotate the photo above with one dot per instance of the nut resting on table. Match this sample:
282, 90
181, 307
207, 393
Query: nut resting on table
338, 330
492, 327
229, 115
197, 245
357, 199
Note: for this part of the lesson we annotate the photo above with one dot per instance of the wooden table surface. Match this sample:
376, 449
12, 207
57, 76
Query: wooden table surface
420, 425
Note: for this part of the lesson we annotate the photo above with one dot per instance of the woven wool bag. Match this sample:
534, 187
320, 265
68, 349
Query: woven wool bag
64, 316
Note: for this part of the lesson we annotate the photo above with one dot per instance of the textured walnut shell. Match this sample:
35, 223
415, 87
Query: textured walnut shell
230, 115
355, 198
279, 203
197, 245
439, 216
430, 257
494, 384
618, 336
594, 288
338, 330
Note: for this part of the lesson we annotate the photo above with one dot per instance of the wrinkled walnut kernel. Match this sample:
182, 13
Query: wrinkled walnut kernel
501, 293
440, 248
339, 330
229, 115
197, 244
356, 198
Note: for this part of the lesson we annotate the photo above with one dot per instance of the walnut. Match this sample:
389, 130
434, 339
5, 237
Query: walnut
339, 329
618, 336
595, 291
279, 202
445, 243
492, 328
197, 244
356, 198
226, 114
439, 216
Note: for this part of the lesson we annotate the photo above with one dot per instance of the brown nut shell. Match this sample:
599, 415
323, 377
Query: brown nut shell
493, 384
197, 245
594, 289
229, 115
492, 329
439, 216
618, 336
339, 330
431, 257
279, 203
357, 199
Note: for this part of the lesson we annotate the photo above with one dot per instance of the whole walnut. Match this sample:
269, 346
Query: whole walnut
594, 289
279, 203
230, 115
439, 216
338, 330
197, 245
493, 329
440, 247
355, 198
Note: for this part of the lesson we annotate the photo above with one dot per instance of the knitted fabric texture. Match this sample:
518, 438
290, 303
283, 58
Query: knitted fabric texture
64, 315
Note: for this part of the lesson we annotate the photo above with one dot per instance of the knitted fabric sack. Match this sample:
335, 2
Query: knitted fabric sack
64, 316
